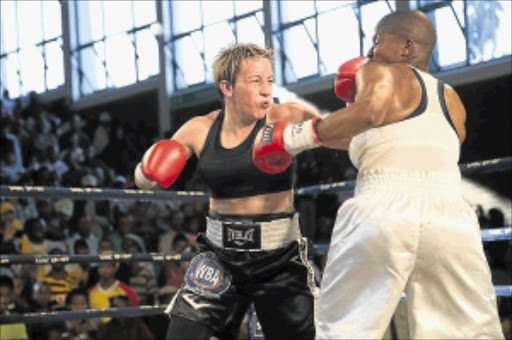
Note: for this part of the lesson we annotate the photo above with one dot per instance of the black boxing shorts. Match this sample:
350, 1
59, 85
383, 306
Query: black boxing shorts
242, 265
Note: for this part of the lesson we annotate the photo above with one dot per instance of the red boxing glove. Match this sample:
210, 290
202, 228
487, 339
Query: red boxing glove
162, 163
269, 153
277, 143
344, 83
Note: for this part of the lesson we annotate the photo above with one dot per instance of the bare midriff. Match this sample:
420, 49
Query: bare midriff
254, 205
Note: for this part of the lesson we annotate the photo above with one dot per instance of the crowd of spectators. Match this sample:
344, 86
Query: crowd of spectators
40, 147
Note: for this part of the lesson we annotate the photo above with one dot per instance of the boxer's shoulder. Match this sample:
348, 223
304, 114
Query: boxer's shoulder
200, 124
397, 76
193, 133
376, 69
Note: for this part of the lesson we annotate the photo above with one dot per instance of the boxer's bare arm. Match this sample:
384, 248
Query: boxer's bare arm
457, 111
193, 133
374, 100
291, 112
296, 113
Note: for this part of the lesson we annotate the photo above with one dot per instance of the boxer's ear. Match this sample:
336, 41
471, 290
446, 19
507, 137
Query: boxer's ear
409, 48
226, 88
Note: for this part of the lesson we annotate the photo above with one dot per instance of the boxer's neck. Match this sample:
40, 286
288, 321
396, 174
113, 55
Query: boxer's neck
236, 123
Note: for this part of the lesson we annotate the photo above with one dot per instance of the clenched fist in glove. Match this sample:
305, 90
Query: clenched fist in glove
161, 164
345, 81
277, 143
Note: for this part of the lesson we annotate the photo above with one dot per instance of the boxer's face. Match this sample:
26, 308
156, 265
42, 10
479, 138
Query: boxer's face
386, 47
252, 93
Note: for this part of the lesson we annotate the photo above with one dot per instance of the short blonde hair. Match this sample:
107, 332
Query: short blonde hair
228, 61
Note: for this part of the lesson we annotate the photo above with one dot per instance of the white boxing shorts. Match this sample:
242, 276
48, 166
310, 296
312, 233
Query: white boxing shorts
407, 232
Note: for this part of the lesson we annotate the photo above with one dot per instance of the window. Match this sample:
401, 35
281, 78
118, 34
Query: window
313, 37
201, 28
114, 44
31, 46
469, 32
489, 29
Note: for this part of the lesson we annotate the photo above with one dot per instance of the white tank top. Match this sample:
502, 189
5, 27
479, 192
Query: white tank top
425, 141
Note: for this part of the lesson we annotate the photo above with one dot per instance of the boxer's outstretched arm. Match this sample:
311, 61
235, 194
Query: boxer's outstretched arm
374, 99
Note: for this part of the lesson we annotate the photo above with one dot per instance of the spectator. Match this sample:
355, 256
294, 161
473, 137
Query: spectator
173, 273
142, 274
176, 221
99, 223
83, 329
45, 210
44, 137
73, 129
42, 303
122, 328
11, 159
149, 235
42, 297
55, 164
120, 151
52, 331
80, 222
7, 244
7, 105
76, 154
26, 273
19, 297
12, 225
108, 286
60, 281
80, 271
193, 225
122, 273
7, 307
63, 209
33, 241
122, 226
102, 133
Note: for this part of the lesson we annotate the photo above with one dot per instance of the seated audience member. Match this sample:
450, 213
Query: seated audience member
149, 235
123, 270
84, 329
176, 221
61, 282
80, 271
63, 212
12, 226
81, 224
33, 241
124, 328
142, 274
7, 243
173, 273
123, 225
7, 307
109, 286
42, 297
19, 295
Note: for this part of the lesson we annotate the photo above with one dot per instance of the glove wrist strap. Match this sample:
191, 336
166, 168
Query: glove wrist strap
141, 179
300, 137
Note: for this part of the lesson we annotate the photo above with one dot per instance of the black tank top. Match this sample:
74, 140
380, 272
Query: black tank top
231, 173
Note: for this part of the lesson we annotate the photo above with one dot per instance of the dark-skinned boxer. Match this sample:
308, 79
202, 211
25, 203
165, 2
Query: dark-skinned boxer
408, 228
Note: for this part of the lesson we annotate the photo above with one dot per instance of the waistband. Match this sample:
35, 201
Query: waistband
252, 232
410, 181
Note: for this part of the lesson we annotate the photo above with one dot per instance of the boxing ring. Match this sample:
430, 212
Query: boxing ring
488, 235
